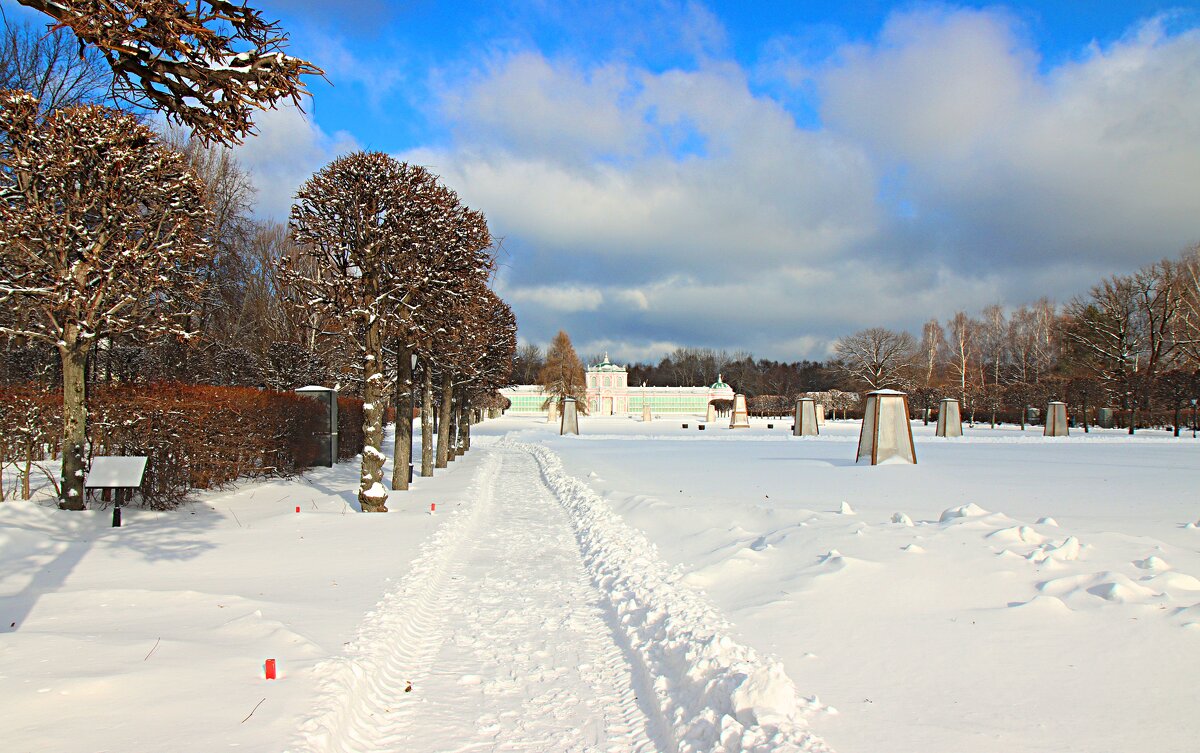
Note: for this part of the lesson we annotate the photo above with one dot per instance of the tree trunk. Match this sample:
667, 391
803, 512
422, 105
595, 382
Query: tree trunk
443, 440
74, 361
372, 495
27, 471
1085, 416
1176, 419
402, 455
456, 420
466, 445
427, 422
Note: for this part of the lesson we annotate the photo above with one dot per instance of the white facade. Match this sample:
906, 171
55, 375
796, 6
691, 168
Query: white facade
609, 394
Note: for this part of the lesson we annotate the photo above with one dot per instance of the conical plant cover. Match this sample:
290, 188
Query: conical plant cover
949, 419
1056, 420
711, 414
806, 418
740, 418
646, 415
820, 414
570, 417
886, 435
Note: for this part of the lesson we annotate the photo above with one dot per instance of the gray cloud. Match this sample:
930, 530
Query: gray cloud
644, 209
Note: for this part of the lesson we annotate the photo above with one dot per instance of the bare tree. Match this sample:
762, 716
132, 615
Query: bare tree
1159, 296
100, 233
992, 338
206, 64
50, 66
1103, 329
1032, 343
562, 375
876, 358
933, 351
1187, 324
527, 363
444, 262
962, 338
351, 217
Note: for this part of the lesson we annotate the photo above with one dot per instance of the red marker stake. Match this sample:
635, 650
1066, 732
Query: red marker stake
433, 507
297, 508
270, 667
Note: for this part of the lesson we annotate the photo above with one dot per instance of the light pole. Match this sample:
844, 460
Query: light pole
1193, 418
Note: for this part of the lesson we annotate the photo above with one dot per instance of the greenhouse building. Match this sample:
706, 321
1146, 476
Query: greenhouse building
609, 394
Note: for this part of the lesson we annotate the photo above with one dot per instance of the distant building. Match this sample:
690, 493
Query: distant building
609, 394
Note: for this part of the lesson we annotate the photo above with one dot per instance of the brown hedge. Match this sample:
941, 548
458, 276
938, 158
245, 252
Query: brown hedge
196, 437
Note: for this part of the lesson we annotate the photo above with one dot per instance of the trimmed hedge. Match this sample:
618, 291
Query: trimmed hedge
196, 437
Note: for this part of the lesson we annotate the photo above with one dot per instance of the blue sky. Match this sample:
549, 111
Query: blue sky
406, 42
767, 176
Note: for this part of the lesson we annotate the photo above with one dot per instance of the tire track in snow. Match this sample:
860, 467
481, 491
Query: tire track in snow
712, 693
505, 640
394, 646
537, 620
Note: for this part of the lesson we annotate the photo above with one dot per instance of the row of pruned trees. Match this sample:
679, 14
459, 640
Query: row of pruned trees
1132, 342
391, 261
103, 227
130, 255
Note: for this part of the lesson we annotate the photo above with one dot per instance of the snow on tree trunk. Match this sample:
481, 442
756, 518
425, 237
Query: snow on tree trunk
443, 440
456, 436
466, 434
427, 424
371, 493
404, 412
74, 360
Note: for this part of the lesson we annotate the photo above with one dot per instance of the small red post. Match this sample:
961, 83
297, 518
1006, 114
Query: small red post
433, 507
297, 508
270, 667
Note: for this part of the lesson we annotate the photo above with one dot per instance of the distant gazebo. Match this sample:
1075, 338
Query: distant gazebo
806, 418
949, 423
740, 419
1056, 420
886, 435
570, 417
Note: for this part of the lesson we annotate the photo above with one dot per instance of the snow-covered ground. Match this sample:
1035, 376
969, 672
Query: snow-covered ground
640, 587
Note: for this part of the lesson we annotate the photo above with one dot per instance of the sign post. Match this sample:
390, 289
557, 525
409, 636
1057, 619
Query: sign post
123, 474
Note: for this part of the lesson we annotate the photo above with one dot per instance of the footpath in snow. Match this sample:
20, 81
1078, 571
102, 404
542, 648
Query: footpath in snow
537, 620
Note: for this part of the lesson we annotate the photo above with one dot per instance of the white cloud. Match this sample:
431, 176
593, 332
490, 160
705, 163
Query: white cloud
645, 208
529, 105
567, 298
1095, 161
287, 150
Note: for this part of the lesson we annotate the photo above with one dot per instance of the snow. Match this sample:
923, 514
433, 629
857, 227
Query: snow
638, 587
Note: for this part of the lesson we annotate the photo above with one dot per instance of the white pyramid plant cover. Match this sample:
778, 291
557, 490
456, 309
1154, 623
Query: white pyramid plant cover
646, 415
740, 418
886, 435
1056, 420
949, 423
570, 417
711, 414
806, 418
820, 414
